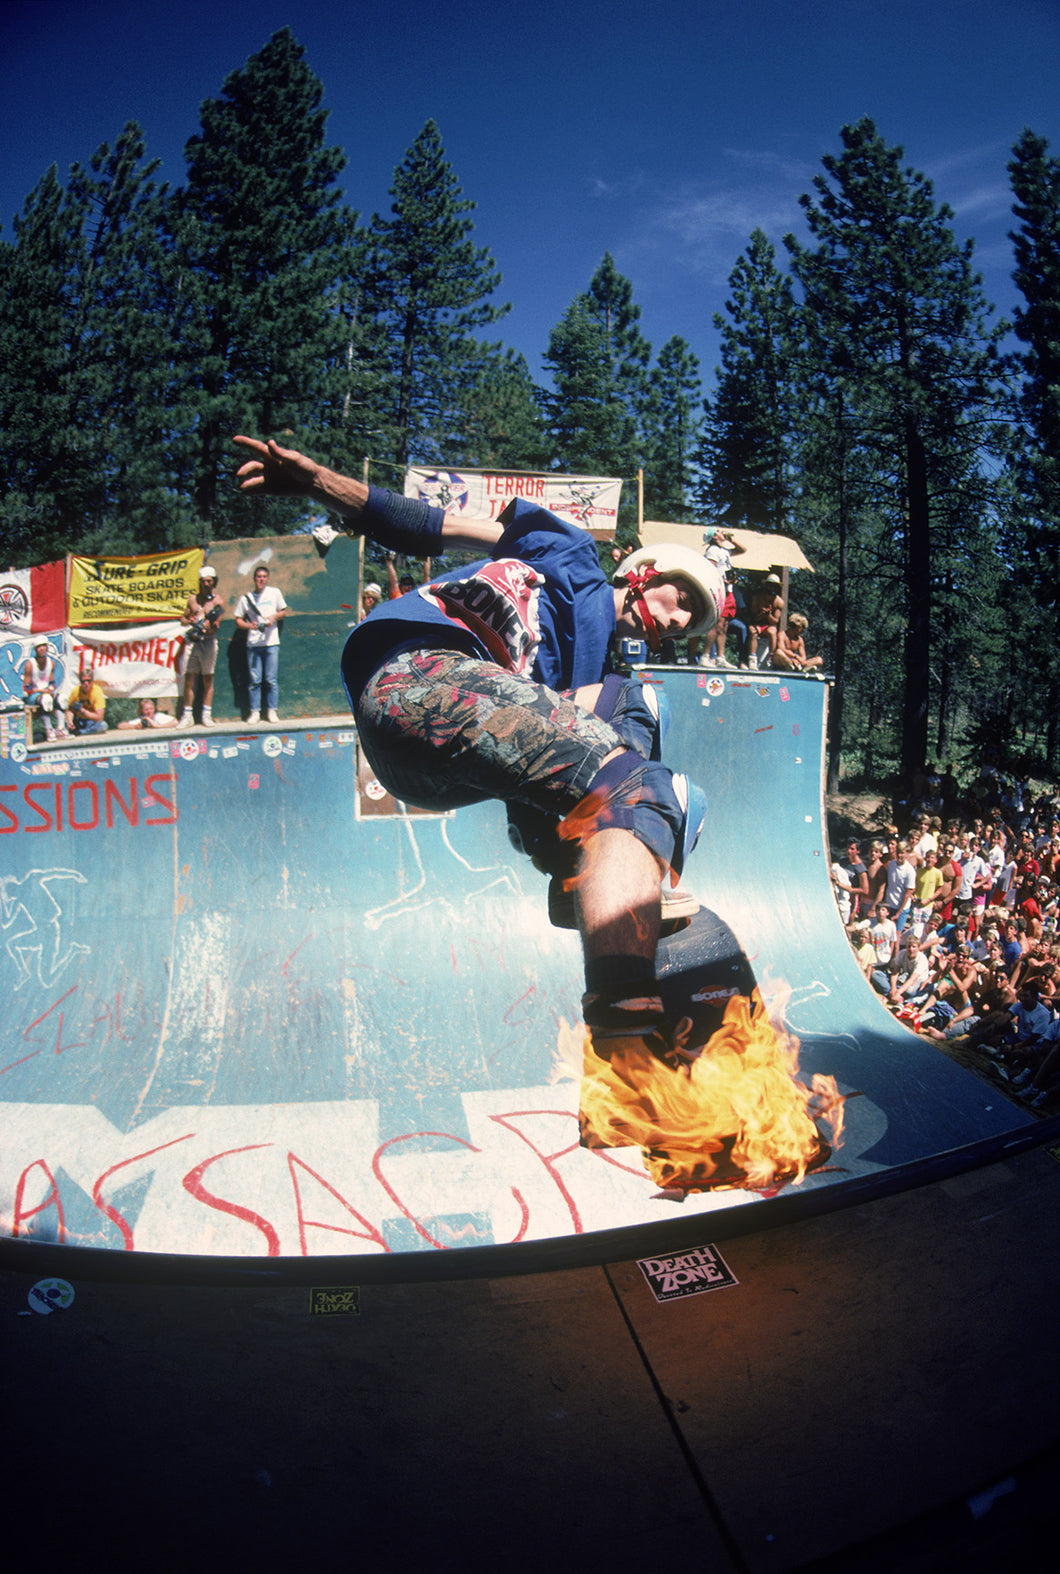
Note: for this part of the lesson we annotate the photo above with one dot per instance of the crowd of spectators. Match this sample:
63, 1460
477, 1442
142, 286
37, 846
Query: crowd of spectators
954, 921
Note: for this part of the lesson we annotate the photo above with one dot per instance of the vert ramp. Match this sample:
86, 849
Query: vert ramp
255, 1009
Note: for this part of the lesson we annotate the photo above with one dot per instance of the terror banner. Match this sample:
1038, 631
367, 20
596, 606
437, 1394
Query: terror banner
132, 589
590, 501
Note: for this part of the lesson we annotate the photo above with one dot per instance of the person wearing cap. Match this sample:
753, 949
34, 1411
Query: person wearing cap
86, 709
494, 681
40, 690
201, 619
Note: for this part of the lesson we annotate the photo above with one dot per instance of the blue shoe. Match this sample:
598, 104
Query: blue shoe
693, 801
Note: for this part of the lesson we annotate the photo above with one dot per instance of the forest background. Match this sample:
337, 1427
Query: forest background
868, 401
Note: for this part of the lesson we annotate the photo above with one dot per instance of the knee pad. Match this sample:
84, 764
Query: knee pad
663, 811
639, 713
537, 836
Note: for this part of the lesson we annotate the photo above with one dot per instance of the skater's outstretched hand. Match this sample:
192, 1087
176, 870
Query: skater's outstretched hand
276, 471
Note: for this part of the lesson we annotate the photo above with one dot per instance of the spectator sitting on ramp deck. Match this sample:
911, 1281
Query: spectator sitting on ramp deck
493, 682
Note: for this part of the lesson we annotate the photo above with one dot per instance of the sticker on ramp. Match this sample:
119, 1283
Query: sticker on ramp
687, 1273
51, 1295
272, 744
340, 1301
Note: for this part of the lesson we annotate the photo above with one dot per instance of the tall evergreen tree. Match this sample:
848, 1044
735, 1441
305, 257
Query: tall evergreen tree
429, 288
502, 418
37, 441
1035, 177
672, 431
86, 352
746, 440
900, 325
259, 235
597, 408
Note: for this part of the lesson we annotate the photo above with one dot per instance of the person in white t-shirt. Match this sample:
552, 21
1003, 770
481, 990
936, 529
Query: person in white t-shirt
260, 612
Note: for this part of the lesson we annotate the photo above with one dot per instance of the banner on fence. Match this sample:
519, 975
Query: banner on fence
132, 589
33, 599
130, 663
590, 501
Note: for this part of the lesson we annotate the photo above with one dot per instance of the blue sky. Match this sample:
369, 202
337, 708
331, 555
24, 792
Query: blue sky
579, 127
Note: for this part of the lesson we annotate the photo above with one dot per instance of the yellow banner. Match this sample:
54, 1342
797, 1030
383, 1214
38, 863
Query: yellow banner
124, 589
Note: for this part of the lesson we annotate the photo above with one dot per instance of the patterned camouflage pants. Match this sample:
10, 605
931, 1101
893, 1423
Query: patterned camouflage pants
441, 729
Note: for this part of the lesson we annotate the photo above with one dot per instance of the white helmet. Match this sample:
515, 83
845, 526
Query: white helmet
676, 562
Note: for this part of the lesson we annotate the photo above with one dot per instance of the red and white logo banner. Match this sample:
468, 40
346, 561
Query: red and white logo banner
590, 501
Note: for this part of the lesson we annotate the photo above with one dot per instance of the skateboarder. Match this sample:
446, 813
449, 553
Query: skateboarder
492, 682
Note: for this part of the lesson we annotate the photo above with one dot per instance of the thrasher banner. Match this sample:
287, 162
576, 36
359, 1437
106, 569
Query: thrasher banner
33, 600
132, 589
130, 663
590, 501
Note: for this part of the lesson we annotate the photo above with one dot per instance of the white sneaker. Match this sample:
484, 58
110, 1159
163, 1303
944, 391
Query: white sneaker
271, 716
207, 719
187, 720
253, 719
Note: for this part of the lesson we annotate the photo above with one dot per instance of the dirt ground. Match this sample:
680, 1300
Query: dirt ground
862, 814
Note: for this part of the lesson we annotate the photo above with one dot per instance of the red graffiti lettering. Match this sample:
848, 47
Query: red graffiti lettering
31, 803
5, 830
369, 1233
193, 1185
51, 1200
59, 1045
112, 795
160, 799
421, 1229
547, 1159
93, 797
112, 1213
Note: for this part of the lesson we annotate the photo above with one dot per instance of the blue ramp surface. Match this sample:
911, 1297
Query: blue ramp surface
252, 1007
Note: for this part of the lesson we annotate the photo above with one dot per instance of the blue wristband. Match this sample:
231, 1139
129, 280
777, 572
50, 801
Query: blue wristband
402, 524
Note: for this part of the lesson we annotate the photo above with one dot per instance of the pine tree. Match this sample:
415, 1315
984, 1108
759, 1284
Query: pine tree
598, 407
428, 290
37, 441
1035, 178
86, 351
673, 427
1036, 187
899, 325
259, 236
746, 442
503, 427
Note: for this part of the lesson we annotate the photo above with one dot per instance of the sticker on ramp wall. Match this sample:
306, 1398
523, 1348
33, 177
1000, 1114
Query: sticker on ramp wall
687, 1273
51, 1295
344, 1301
272, 744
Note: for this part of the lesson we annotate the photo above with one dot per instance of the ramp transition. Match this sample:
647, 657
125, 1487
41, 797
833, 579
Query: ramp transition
254, 1008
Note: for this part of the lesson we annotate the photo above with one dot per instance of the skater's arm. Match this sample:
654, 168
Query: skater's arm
400, 523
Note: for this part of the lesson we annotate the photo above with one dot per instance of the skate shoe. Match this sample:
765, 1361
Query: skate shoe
631, 1023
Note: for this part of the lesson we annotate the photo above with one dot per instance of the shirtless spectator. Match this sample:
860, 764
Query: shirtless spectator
790, 653
764, 607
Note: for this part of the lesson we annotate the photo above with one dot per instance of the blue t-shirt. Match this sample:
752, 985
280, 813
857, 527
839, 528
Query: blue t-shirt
576, 608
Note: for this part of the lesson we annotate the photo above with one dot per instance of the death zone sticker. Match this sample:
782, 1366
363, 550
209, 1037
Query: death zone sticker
691, 1273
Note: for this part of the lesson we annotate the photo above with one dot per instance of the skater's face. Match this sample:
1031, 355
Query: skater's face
673, 607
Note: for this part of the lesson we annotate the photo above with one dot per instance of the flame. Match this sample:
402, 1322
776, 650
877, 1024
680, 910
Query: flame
735, 1115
